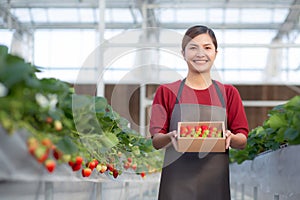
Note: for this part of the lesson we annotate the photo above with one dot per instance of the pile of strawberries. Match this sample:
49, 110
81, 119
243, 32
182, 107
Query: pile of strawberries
203, 131
42, 150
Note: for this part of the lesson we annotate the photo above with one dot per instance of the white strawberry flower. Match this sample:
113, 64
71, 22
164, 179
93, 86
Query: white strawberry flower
3, 90
47, 102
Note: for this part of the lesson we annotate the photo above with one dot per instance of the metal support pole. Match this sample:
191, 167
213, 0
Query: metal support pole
255, 197
235, 191
243, 192
100, 57
126, 190
48, 190
96, 193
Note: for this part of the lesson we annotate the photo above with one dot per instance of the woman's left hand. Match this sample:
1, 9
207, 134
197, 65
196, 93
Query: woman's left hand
228, 136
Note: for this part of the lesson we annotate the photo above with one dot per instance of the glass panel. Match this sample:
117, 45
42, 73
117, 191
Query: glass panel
63, 48
248, 36
232, 15
216, 15
256, 15
63, 15
22, 14
117, 15
39, 15
191, 15
87, 15
6, 37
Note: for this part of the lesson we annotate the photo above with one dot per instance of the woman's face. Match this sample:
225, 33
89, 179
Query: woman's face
200, 54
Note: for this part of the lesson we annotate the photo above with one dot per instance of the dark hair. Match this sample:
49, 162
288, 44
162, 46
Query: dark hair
194, 31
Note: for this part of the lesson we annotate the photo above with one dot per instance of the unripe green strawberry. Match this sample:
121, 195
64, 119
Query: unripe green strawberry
58, 125
41, 154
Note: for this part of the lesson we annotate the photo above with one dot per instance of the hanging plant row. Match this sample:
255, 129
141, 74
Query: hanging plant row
280, 129
65, 128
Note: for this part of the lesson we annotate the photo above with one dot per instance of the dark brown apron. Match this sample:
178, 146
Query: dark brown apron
195, 176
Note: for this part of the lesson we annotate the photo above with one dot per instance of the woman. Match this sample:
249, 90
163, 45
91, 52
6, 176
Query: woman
195, 176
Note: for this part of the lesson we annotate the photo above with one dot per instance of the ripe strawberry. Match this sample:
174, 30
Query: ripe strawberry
204, 127
76, 167
134, 166
129, 159
91, 164
110, 167
96, 161
126, 165
86, 172
198, 128
47, 142
183, 131
57, 154
50, 165
115, 173
78, 160
49, 120
143, 174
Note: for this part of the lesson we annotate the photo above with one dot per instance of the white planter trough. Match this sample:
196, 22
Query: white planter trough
273, 175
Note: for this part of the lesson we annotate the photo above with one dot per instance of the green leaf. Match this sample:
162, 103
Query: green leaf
109, 140
100, 104
3, 54
291, 134
136, 150
293, 104
276, 121
67, 146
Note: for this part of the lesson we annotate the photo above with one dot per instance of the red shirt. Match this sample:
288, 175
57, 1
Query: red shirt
165, 98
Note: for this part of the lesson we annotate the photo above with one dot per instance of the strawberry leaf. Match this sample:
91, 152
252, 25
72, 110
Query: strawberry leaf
67, 146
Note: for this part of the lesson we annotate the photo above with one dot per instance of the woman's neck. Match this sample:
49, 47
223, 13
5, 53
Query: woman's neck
198, 81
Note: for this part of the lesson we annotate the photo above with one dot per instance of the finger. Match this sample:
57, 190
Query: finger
228, 133
227, 143
173, 140
175, 134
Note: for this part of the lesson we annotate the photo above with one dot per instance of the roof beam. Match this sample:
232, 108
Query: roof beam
290, 22
162, 4
130, 25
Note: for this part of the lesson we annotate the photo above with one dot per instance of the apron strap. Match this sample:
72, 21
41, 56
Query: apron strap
180, 91
220, 95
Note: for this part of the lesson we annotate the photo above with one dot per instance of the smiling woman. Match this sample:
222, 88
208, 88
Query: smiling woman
197, 98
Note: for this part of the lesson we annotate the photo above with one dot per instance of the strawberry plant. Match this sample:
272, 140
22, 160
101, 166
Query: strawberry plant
279, 129
73, 129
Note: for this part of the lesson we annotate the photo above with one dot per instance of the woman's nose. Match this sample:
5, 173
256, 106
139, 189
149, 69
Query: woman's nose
200, 52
